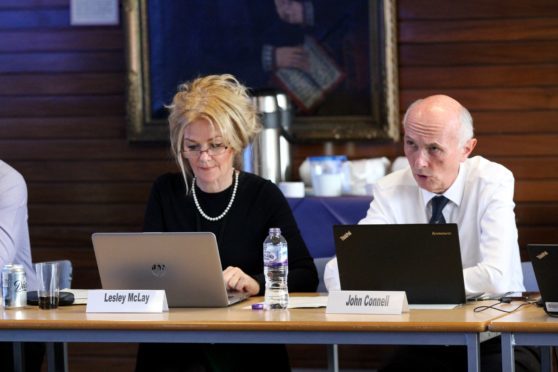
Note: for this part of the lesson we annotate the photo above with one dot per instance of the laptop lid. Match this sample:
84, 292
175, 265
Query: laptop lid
424, 260
544, 258
185, 264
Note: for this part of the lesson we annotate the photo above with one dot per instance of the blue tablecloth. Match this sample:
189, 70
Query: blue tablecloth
316, 216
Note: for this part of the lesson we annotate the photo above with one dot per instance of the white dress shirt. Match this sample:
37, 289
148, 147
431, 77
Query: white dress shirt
481, 204
14, 233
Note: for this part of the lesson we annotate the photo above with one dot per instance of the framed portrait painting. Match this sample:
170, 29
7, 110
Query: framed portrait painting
335, 60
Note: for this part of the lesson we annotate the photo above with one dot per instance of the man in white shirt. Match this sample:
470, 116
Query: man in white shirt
14, 232
443, 185
437, 142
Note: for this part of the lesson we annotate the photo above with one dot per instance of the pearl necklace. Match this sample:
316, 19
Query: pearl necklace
226, 209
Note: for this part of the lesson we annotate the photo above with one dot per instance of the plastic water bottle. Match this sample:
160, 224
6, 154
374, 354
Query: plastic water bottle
276, 269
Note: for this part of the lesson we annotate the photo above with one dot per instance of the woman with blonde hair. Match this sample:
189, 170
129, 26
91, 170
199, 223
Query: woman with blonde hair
212, 120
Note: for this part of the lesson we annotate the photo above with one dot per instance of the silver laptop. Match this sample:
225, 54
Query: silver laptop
185, 264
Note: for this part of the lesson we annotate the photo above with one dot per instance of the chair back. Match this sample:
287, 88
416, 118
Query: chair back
66, 271
529, 280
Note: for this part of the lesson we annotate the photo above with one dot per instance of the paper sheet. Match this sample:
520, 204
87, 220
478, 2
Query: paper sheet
307, 302
433, 307
299, 302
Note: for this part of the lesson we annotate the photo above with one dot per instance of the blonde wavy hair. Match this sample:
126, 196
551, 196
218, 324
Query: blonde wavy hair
221, 100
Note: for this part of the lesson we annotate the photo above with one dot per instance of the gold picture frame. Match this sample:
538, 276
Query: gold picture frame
380, 121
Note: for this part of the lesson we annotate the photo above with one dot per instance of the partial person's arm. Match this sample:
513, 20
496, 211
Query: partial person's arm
499, 267
13, 213
331, 276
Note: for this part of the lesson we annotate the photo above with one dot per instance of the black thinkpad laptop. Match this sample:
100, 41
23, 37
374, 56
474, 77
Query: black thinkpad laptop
544, 258
423, 260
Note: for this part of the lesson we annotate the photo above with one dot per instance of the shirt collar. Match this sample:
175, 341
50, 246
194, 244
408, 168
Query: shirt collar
454, 193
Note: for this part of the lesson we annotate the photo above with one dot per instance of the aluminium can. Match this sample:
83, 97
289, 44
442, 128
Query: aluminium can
14, 286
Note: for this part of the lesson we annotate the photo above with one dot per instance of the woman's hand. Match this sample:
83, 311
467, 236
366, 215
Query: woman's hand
238, 280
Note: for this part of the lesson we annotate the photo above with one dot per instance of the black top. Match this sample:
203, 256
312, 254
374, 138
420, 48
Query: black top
258, 205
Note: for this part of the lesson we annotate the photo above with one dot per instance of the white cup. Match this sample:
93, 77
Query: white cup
292, 189
328, 184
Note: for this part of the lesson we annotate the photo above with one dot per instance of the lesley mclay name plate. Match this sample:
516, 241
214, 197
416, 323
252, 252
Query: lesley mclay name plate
127, 301
367, 302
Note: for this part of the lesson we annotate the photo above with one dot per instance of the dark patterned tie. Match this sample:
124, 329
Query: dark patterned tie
438, 204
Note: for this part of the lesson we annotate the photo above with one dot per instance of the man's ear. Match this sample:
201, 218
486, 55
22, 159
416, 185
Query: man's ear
468, 148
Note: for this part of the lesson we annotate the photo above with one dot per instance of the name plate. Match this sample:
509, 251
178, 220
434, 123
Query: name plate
367, 302
126, 301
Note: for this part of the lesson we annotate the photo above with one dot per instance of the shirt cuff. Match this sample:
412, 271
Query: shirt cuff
331, 276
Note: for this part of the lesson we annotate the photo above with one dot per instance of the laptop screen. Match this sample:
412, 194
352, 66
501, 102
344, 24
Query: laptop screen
544, 258
424, 260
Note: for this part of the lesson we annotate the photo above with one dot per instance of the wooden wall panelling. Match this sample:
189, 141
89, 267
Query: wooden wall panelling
61, 62
65, 39
442, 9
512, 76
34, 5
517, 145
62, 106
83, 214
545, 168
531, 121
28, 18
129, 170
485, 30
62, 84
77, 127
477, 53
511, 99
58, 238
79, 149
536, 191
90, 192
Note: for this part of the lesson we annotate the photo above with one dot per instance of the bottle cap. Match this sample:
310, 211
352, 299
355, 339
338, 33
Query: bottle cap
258, 306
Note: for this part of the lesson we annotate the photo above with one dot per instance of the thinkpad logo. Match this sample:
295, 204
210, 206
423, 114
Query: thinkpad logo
542, 255
345, 236
159, 270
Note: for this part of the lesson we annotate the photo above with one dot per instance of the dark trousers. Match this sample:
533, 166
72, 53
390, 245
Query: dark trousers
33, 356
454, 358
212, 357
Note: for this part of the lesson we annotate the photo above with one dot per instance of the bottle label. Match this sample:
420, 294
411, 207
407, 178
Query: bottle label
276, 255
